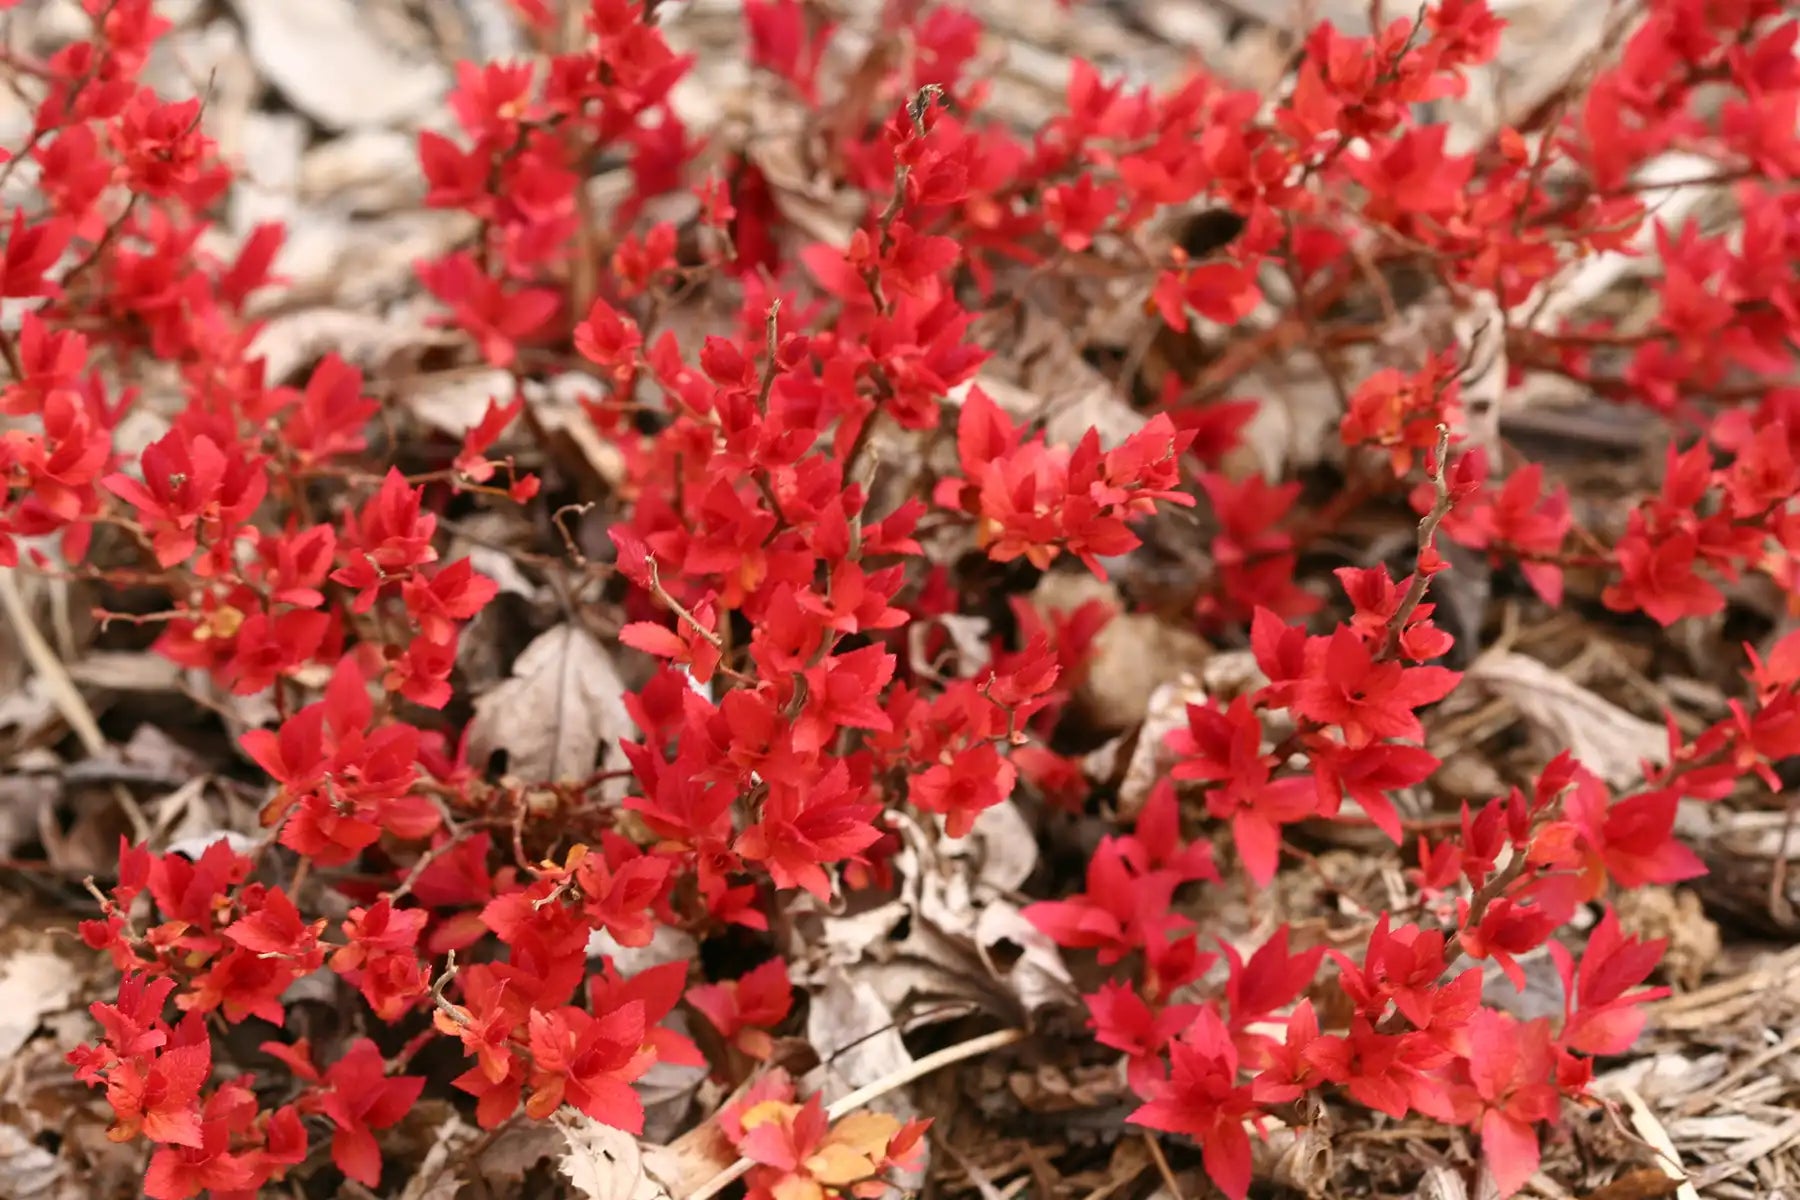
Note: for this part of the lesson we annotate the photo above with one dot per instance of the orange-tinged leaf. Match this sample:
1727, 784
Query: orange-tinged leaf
836, 1165
767, 1111
868, 1133
544, 1101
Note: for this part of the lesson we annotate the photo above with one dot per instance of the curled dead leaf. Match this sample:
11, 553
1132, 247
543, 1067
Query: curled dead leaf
1297, 1157
947, 943
1677, 917
1001, 847
454, 402
570, 435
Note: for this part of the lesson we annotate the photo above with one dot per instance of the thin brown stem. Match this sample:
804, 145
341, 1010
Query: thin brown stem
1428, 525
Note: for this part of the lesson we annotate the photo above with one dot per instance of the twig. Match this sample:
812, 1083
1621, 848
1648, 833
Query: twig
1489, 892
1492, 890
662, 593
431, 855
1643, 1119
1162, 1165
455, 1012
1428, 525
972, 1048
568, 538
772, 367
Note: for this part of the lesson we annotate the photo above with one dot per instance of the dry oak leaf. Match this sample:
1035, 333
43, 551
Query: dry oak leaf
564, 700
603, 1163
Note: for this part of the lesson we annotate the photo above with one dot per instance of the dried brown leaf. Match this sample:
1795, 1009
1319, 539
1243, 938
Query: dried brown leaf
1609, 741
1644, 1120
27, 713
685, 1165
1132, 657
854, 1033
454, 402
30, 1172
603, 1163
551, 718
517, 1148
1441, 1183
1151, 758
569, 432
968, 639
1646, 1184
1692, 938
949, 941
33, 984
1298, 1158
367, 170
334, 65
436, 1178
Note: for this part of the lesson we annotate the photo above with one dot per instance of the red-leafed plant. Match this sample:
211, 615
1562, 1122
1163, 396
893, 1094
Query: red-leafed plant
787, 597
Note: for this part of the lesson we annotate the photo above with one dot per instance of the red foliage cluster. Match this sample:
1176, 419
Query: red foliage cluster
785, 727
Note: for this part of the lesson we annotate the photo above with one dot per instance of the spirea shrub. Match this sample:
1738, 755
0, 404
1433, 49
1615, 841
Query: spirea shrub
785, 729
